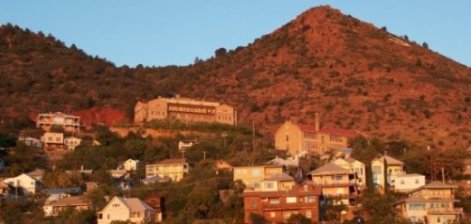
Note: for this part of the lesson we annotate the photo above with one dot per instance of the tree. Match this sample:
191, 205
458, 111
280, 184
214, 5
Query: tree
298, 219
257, 219
425, 45
220, 52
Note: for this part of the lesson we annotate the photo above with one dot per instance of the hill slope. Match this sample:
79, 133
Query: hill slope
356, 75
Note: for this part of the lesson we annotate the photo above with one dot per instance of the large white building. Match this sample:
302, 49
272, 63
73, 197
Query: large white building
408, 182
26, 183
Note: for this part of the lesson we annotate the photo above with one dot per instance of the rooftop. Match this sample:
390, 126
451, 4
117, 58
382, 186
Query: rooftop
172, 161
70, 201
330, 168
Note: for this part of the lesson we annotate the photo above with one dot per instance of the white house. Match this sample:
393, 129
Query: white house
72, 142
126, 209
408, 182
129, 165
386, 165
185, 144
30, 141
28, 184
356, 167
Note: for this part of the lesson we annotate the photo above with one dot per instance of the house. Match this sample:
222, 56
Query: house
185, 110
276, 182
173, 168
53, 140
278, 206
37, 174
31, 142
408, 182
117, 173
185, 145
155, 179
432, 203
157, 203
292, 161
129, 165
220, 165
59, 193
126, 209
72, 142
69, 123
252, 176
53, 208
23, 182
338, 184
296, 138
386, 164
356, 167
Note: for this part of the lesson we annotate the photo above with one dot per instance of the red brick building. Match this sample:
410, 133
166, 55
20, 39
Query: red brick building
278, 206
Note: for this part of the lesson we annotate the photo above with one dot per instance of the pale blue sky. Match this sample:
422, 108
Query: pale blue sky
166, 32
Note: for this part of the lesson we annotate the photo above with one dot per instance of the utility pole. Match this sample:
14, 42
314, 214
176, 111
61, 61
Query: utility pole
253, 134
443, 175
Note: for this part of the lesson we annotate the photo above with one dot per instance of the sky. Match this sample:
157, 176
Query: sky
175, 32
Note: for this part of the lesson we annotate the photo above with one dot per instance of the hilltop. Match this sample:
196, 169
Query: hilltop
355, 74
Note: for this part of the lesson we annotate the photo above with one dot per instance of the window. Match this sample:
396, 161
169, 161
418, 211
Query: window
291, 200
274, 201
287, 138
402, 181
272, 214
115, 205
417, 181
269, 185
337, 177
416, 206
308, 214
310, 199
254, 203
256, 173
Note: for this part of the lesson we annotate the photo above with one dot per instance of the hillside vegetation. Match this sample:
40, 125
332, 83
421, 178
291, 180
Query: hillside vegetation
355, 74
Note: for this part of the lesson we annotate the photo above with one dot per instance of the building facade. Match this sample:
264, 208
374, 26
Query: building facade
385, 169
175, 169
339, 185
184, 109
431, 204
356, 167
408, 182
69, 123
298, 138
279, 206
126, 209
53, 140
252, 176
72, 142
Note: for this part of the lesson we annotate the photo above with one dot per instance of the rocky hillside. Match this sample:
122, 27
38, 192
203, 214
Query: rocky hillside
356, 75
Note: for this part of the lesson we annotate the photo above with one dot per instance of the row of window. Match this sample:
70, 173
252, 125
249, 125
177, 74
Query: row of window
288, 200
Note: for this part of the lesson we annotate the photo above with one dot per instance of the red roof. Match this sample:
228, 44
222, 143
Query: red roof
330, 130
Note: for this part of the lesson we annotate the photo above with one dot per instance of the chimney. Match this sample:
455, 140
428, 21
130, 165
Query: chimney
316, 121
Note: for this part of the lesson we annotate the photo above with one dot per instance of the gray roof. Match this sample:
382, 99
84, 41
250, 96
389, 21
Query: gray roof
330, 168
70, 190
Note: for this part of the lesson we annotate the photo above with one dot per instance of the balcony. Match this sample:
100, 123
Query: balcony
445, 211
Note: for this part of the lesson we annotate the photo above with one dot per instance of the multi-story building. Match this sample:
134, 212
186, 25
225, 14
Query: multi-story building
279, 206
69, 123
72, 142
431, 204
176, 169
339, 185
23, 182
184, 109
252, 176
356, 167
386, 165
131, 210
408, 182
297, 138
53, 140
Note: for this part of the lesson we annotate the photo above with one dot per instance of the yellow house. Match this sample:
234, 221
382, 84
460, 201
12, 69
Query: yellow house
277, 182
356, 167
297, 138
338, 184
394, 168
252, 176
432, 204
173, 168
